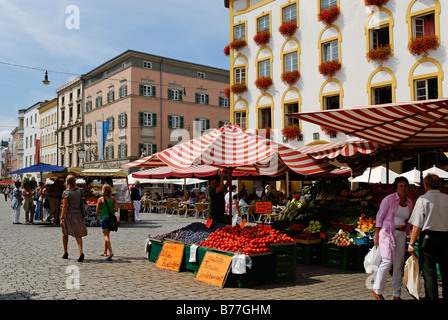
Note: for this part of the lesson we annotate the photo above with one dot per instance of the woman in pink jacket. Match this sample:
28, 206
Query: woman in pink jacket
390, 237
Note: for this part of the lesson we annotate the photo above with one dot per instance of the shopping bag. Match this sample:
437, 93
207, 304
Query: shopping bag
411, 276
193, 249
236, 219
372, 260
239, 263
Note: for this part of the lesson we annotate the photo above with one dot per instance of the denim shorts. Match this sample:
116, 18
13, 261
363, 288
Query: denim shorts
104, 222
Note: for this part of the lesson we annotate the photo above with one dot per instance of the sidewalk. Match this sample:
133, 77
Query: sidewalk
31, 268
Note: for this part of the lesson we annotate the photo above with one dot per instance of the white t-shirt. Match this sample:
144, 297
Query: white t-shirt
230, 204
401, 216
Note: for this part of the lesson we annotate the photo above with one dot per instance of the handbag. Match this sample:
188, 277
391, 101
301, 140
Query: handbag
113, 221
85, 209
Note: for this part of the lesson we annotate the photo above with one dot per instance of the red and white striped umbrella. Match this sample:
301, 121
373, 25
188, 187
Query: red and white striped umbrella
405, 125
345, 148
232, 147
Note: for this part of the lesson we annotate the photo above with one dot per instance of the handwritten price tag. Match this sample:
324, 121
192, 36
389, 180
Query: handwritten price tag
214, 269
170, 257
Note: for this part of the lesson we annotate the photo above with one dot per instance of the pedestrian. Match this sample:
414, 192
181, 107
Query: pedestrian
217, 207
53, 201
231, 206
106, 205
39, 201
28, 204
72, 219
6, 192
430, 226
45, 202
136, 196
16, 202
392, 227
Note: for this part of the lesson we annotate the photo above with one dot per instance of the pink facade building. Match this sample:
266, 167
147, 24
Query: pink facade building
151, 103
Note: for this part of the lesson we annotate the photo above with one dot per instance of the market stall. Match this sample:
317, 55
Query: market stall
92, 188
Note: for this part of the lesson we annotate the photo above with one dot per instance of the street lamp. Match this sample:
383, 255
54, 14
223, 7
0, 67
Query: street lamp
46, 81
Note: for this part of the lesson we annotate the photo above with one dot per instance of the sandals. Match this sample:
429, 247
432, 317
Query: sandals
109, 258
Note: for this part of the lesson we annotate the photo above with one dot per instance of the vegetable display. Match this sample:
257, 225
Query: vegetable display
250, 240
341, 239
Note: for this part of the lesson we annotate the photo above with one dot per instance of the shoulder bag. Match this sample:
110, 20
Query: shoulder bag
113, 221
85, 209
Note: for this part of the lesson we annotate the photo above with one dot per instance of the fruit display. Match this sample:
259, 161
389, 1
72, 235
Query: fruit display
292, 209
195, 232
314, 227
341, 239
365, 224
248, 240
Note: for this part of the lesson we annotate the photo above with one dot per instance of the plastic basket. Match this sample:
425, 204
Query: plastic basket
309, 253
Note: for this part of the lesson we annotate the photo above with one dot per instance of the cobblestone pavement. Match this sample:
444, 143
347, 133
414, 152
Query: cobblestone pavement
31, 268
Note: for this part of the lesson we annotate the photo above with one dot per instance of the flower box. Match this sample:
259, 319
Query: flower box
329, 68
262, 37
265, 132
227, 92
329, 15
263, 83
329, 131
288, 28
291, 132
378, 3
382, 53
290, 77
424, 44
239, 88
227, 50
238, 44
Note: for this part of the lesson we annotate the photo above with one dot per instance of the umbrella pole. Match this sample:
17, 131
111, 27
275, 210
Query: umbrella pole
419, 164
387, 165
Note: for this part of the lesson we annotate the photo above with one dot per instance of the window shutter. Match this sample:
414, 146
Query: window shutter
220, 123
119, 150
153, 91
141, 89
170, 118
140, 147
207, 124
170, 95
125, 146
180, 94
154, 119
206, 99
111, 152
181, 122
196, 97
125, 90
140, 118
153, 148
220, 103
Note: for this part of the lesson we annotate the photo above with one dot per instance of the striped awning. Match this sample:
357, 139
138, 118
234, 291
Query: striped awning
102, 173
232, 146
404, 125
345, 148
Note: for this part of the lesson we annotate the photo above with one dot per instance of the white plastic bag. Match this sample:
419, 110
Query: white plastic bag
372, 260
193, 248
239, 263
411, 276
236, 219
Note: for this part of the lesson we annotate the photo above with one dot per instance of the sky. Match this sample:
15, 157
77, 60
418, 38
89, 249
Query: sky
70, 38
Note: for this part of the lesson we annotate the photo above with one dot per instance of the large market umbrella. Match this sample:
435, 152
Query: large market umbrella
434, 170
376, 175
40, 167
413, 176
417, 124
233, 147
6, 181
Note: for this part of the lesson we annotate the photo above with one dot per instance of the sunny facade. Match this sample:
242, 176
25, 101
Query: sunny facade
150, 103
361, 57
48, 132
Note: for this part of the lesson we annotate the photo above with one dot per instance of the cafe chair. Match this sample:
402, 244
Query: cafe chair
147, 206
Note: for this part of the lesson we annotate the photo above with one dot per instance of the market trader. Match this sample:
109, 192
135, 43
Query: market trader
216, 192
430, 225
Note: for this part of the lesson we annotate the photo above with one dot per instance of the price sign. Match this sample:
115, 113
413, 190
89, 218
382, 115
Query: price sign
214, 269
170, 257
209, 222
263, 207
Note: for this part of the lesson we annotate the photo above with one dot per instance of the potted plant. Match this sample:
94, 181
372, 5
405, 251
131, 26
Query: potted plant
239, 88
423, 44
227, 50
329, 15
329, 68
238, 44
288, 28
263, 83
262, 37
381, 53
378, 3
329, 131
227, 92
290, 77
291, 132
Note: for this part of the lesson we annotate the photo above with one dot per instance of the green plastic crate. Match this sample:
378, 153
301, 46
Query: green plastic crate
285, 257
338, 257
309, 253
154, 249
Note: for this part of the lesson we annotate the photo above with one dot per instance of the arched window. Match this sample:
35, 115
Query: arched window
330, 44
331, 94
381, 86
379, 29
425, 80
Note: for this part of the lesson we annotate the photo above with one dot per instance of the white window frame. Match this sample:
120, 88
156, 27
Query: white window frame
239, 32
147, 64
201, 75
291, 62
202, 124
175, 122
330, 51
263, 23
202, 98
240, 119
264, 68
425, 88
240, 75
175, 94
147, 119
147, 90
290, 13
325, 4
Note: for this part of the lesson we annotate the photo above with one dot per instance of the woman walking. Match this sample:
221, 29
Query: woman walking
392, 226
16, 202
72, 219
28, 205
106, 205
